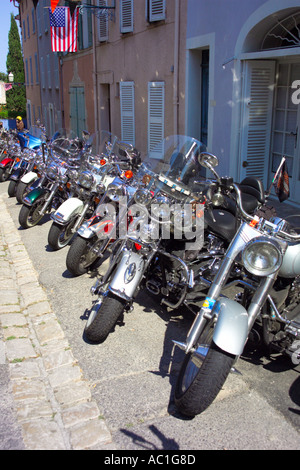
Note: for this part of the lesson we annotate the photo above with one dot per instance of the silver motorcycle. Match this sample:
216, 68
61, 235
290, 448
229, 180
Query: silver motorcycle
167, 241
255, 294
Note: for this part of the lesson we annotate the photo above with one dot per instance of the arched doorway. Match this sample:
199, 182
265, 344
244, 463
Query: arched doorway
270, 110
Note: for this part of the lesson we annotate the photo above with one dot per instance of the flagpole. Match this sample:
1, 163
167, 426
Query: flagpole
276, 174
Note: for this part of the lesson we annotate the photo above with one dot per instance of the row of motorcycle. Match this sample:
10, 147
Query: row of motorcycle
209, 246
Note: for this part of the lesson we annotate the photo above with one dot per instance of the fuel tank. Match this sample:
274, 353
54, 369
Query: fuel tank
291, 262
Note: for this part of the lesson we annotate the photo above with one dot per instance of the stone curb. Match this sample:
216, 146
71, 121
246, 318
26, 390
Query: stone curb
53, 401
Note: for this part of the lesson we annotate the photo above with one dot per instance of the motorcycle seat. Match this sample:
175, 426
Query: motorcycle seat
224, 224
254, 187
249, 202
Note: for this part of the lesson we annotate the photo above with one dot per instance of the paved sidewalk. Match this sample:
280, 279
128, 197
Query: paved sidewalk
54, 407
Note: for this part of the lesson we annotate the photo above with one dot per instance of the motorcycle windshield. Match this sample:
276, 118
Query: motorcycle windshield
104, 144
65, 147
174, 162
106, 148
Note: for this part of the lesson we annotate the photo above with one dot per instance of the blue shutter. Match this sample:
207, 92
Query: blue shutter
102, 23
127, 112
126, 16
157, 10
156, 114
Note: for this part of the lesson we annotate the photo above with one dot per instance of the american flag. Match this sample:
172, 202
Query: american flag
64, 29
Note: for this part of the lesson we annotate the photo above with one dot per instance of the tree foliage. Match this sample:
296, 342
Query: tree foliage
16, 96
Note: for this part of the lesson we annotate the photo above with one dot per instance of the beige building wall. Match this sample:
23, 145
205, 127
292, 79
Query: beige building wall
152, 52
28, 26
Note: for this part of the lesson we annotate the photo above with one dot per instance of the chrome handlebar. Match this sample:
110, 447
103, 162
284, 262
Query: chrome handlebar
248, 218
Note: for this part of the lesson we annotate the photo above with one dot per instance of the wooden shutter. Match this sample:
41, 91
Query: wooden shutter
126, 16
127, 112
257, 101
157, 9
156, 114
102, 23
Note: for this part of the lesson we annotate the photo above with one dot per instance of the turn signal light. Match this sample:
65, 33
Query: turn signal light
128, 174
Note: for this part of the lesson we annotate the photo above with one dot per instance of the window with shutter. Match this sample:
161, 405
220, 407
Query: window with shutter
156, 115
126, 16
156, 10
102, 23
127, 112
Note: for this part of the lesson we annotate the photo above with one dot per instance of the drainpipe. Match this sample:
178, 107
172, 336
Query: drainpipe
62, 102
94, 34
176, 66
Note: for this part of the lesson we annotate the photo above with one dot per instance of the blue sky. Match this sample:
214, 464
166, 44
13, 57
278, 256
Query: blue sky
7, 8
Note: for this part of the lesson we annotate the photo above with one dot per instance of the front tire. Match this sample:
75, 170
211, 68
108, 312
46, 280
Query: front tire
60, 235
80, 257
103, 318
30, 216
22, 190
4, 174
202, 375
12, 188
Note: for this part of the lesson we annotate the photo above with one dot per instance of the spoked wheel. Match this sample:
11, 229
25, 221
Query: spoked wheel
202, 375
103, 318
30, 216
83, 254
60, 235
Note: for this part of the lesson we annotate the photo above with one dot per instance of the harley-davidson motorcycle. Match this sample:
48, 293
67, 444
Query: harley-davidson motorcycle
119, 161
254, 296
172, 246
30, 151
64, 155
11, 151
36, 176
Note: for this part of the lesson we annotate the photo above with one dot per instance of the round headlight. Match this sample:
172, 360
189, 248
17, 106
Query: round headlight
52, 172
114, 191
143, 196
86, 179
73, 174
262, 257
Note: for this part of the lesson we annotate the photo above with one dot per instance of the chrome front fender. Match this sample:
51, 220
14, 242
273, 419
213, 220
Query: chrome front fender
231, 330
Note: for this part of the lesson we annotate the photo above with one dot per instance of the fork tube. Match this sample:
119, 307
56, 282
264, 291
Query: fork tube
213, 293
259, 299
80, 219
49, 198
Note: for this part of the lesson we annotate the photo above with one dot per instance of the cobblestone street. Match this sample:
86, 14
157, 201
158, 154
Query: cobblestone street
53, 401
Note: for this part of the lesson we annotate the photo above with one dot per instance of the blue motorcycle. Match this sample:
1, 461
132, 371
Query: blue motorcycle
30, 147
